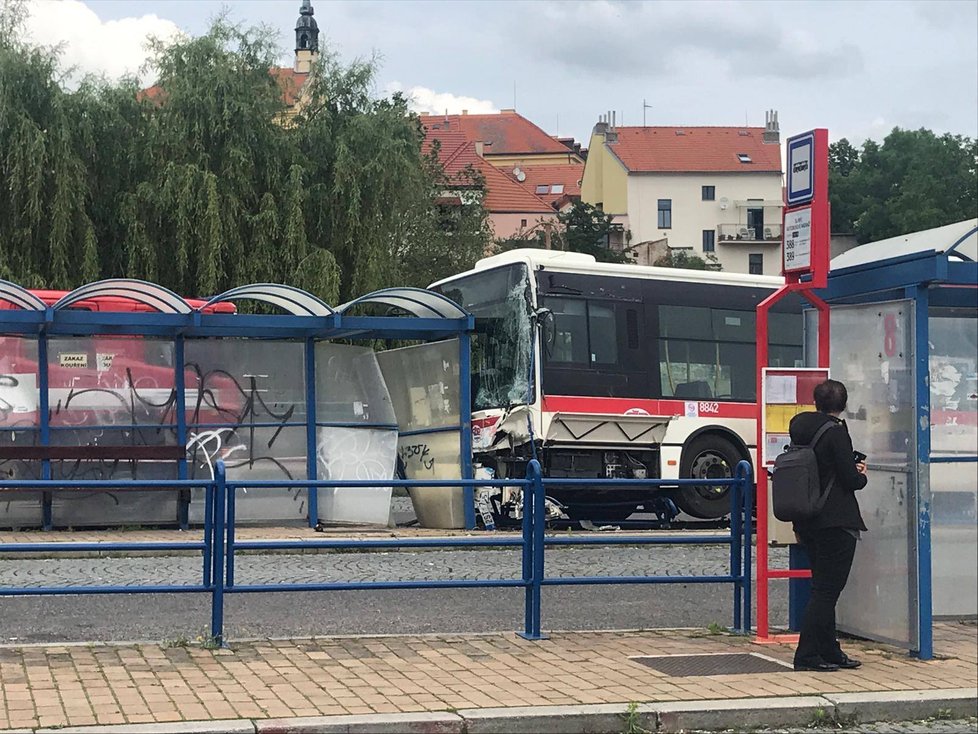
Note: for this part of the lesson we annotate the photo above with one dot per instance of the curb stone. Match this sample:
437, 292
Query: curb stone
665, 717
433, 722
227, 726
592, 719
904, 705
751, 713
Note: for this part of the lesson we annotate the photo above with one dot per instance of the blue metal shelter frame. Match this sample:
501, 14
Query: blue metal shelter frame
306, 318
936, 268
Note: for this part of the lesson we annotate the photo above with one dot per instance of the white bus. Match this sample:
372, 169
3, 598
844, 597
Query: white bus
616, 371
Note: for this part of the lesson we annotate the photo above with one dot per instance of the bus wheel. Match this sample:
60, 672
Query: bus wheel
708, 457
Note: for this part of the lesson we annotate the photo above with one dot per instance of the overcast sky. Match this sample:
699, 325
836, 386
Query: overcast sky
857, 68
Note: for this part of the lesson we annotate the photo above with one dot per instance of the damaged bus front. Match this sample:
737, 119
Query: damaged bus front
614, 372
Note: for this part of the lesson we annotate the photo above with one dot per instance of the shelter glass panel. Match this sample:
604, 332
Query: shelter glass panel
872, 353
424, 385
246, 404
99, 381
18, 427
423, 381
18, 383
953, 336
350, 389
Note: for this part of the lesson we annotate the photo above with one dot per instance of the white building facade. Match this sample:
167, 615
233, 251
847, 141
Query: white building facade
712, 192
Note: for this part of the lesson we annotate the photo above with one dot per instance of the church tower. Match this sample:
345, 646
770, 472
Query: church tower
306, 38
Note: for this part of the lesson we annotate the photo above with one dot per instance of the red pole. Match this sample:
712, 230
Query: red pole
763, 569
760, 473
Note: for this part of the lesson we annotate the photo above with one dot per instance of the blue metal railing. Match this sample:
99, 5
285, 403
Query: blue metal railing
219, 546
212, 539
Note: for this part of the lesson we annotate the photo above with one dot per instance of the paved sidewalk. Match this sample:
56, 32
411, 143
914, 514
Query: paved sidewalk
82, 685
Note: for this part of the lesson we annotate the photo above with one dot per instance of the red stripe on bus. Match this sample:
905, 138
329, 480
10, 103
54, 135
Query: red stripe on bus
638, 406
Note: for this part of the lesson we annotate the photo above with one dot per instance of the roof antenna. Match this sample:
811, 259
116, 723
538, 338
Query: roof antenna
645, 106
514, 95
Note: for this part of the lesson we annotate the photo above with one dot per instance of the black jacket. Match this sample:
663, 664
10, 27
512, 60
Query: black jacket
834, 455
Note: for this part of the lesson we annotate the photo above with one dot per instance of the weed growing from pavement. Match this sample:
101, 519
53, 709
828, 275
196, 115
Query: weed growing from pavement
821, 719
203, 641
209, 642
715, 628
630, 718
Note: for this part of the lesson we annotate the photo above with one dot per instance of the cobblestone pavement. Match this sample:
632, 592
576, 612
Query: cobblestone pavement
113, 684
695, 560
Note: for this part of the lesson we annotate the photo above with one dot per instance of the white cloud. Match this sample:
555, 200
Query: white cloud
424, 100
114, 47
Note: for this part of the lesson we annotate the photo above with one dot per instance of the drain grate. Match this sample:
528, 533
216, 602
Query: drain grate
734, 663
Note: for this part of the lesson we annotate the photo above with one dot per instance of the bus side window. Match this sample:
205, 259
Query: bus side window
567, 336
603, 334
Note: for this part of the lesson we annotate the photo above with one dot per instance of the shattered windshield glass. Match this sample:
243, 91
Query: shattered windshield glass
500, 301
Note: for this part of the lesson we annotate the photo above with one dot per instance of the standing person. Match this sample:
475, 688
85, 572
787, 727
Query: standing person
829, 537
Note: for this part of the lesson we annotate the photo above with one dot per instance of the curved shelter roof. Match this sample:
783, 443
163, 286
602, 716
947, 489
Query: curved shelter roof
164, 313
293, 300
958, 240
415, 301
932, 258
20, 297
149, 294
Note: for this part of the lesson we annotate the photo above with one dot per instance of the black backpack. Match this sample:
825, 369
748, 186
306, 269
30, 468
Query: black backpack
796, 493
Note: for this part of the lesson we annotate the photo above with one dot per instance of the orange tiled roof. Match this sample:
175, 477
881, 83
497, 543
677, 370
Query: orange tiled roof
505, 133
566, 177
503, 194
680, 149
456, 153
290, 81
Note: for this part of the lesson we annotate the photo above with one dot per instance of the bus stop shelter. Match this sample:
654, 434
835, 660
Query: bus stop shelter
904, 340
292, 390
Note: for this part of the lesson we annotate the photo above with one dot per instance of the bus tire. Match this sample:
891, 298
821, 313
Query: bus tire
707, 457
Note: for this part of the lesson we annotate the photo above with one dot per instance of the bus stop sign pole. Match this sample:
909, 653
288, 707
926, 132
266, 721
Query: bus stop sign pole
805, 265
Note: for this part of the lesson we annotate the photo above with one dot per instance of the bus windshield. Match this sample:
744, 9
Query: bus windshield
500, 301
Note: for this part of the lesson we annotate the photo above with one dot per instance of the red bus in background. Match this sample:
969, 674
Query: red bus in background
102, 381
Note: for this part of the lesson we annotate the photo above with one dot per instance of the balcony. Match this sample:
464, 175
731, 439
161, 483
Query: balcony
741, 233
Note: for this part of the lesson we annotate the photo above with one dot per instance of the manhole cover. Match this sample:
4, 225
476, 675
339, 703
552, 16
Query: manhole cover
734, 663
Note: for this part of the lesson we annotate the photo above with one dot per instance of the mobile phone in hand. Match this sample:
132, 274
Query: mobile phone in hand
859, 456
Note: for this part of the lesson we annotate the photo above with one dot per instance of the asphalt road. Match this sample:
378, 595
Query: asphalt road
37, 619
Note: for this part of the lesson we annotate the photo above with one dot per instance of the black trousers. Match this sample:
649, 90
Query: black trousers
830, 551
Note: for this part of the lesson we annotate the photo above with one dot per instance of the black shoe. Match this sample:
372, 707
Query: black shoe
847, 663
818, 666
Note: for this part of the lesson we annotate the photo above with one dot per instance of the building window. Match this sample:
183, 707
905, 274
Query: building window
543, 188
557, 189
665, 213
709, 193
755, 264
709, 240
744, 158
522, 224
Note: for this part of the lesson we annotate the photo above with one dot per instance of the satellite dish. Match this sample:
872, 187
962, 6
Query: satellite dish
724, 201
518, 173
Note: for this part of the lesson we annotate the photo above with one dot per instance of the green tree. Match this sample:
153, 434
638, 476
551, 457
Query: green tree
911, 181
46, 231
687, 261
206, 183
587, 229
